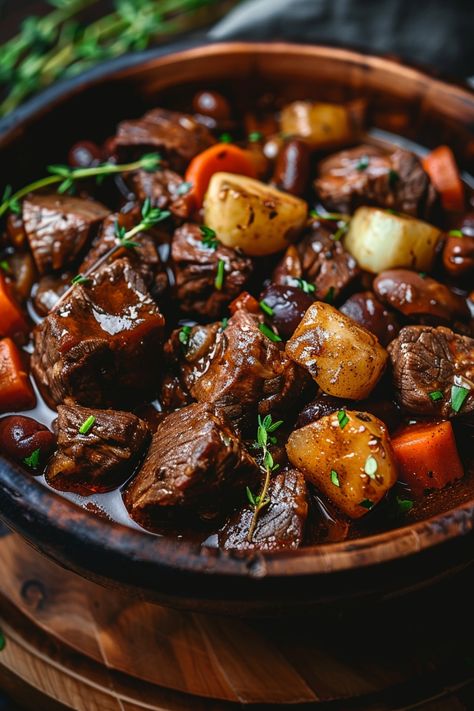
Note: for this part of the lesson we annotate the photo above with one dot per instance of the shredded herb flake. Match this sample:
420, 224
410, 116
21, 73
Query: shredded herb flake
225, 138
306, 286
363, 164
224, 323
5, 266
219, 280
184, 335
342, 418
87, 425
80, 279
209, 238
255, 136
393, 178
33, 460
458, 397
335, 478
366, 504
329, 298
436, 395
403, 505
267, 331
265, 437
266, 308
455, 233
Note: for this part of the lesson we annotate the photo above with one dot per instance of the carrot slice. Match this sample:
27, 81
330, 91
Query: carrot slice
244, 301
221, 157
12, 318
16, 392
441, 166
427, 456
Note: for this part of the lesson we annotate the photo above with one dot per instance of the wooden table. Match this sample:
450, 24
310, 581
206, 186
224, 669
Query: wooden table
72, 644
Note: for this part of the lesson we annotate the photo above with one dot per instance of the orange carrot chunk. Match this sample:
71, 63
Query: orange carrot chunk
12, 319
244, 301
441, 166
16, 392
220, 157
427, 456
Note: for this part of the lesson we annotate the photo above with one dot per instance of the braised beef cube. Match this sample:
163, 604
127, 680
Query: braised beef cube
433, 371
49, 290
165, 189
321, 261
248, 374
145, 257
176, 136
58, 227
101, 345
366, 309
195, 465
367, 175
196, 269
97, 449
280, 525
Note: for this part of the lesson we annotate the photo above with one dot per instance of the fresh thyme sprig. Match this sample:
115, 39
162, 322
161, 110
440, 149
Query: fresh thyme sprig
265, 437
151, 216
65, 177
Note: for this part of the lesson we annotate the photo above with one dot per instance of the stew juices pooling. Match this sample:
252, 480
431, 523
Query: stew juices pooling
254, 333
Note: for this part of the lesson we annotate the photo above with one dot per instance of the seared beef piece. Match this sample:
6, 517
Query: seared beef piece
195, 464
325, 404
320, 260
196, 270
177, 137
365, 309
369, 176
166, 190
49, 290
247, 373
101, 345
280, 525
145, 258
427, 360
58, 227
100, 459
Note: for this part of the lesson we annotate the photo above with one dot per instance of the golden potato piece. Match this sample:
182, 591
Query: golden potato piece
343, 358
321, 124
252, 216
348, 457
381, 240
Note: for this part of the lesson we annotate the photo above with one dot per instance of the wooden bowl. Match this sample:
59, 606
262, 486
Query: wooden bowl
402, 100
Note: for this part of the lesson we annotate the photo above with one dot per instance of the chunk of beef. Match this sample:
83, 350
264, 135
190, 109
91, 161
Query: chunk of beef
166, 190
365, 309
196, 269
49, 290
177, 137
101, 458
247, 374
101, 343
369, 176
320, 260
58, 227
145, 257
428, 361
195, 465
280, 525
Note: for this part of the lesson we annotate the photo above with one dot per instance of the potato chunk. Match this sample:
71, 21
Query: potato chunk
322, 125
252, 216
350, 460
381, 240
343, 358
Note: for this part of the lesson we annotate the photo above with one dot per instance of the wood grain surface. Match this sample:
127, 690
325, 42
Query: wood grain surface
87, 648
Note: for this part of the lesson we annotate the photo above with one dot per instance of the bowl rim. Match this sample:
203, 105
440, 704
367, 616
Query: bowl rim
121, 541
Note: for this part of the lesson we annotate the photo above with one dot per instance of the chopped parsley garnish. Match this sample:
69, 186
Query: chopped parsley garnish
3, 641
219, 280
329, 298
80, 279
306, 286
370, 466
184, 188
269, 333
266, 308
255, 136
209, 238
339, 233
403, 505
184, 335
265, 437
335, 478
393, 178
436, 395
363, 164
422, 275
342, 418
5, 266
366, 504
225, 138
455, 233
33, 460
336, 216
458, 396
87, 425
224, 323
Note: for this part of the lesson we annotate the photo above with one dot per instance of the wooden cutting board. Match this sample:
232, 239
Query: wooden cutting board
72, 644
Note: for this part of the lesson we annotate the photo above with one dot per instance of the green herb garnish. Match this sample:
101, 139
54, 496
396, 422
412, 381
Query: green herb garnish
266, 308
225, 138
150, 216
455, 233
224, 323
5, 266
335, 478
342, 418
329, 298
458, 397
393, 178
219, 280
209, 238
33, 460
370, 466
422, 275
267, 331
363, 164
335, 216
403, 505
265, 437
184, 335
306, 286
436, 395
66, 178
255, 137
340, 232
3, 641
80, 279
87, 425
366, 504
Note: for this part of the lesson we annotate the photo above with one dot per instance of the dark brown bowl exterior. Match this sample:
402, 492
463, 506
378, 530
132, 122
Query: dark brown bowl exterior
402, 100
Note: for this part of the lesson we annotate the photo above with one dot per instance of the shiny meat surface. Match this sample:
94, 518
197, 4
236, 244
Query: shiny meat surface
166, 190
